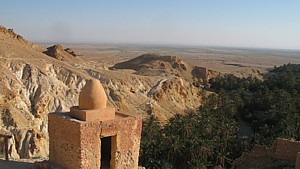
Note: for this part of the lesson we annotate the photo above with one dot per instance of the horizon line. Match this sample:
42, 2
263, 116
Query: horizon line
170, 45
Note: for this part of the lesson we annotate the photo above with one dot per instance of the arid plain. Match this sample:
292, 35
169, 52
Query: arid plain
239, 61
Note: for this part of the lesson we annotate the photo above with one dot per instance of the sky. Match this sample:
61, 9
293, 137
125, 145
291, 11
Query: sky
233, 23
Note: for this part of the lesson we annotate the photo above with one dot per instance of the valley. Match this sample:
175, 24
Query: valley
142, 80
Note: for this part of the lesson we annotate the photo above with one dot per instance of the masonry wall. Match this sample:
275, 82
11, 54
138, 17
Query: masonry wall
76, 144
64, 142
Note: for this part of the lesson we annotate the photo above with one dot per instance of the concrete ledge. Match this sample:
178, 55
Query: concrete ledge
92, 115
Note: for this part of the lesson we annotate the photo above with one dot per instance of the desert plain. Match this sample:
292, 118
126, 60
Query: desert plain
240, 61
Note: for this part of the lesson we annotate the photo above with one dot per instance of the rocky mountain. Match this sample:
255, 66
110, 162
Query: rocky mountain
36, 81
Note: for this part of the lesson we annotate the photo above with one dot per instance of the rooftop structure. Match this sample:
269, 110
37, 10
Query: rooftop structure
94, 136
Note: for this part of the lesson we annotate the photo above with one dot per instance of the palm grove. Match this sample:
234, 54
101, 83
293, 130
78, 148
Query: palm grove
208, 136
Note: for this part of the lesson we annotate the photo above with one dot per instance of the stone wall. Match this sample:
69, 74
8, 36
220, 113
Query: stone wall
64, 145
282, 149
297, 166
286, 149
77, 144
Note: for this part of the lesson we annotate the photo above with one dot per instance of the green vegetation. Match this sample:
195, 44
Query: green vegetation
271, 106
209, 136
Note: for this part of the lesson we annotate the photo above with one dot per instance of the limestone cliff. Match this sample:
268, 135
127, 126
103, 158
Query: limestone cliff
33, 85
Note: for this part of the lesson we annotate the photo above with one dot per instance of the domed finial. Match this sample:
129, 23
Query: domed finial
92, 96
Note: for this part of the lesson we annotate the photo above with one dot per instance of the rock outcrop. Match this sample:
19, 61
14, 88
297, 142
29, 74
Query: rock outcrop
58, 52
173, 94
153, 61
203, 73
70, 51
9, 33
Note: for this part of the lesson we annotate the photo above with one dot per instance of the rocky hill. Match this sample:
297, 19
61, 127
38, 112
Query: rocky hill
156, 65
7, 34
36, 81
151, 65
165, 84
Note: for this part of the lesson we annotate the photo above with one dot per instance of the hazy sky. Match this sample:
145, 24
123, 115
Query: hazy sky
246, 23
